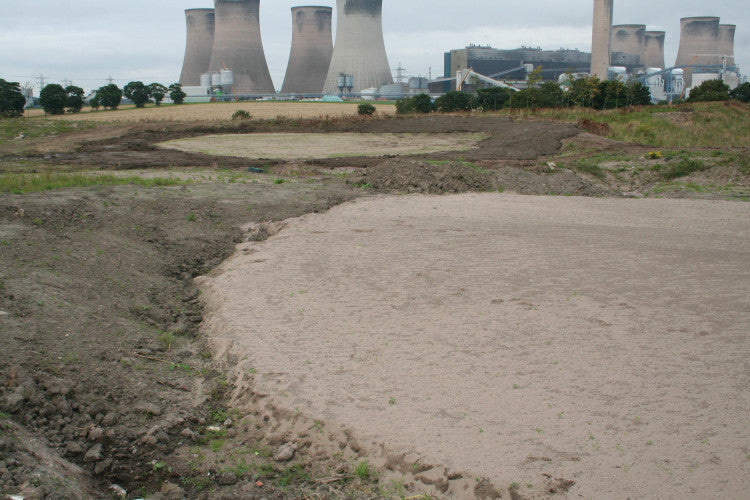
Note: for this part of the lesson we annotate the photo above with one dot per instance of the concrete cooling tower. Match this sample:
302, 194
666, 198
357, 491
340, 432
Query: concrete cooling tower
199, 45
360, 49
654, 49
699, 39
602, 38
630, 39
238, 46
312, 47
726, 42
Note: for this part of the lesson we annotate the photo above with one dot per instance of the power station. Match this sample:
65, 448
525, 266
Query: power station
359, 53
224, 55
312, 47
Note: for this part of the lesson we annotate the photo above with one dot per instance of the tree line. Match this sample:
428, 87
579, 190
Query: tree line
57, 100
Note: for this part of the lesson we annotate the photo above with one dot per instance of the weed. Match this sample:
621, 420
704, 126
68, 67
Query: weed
649, 443
362, 471
216, 444
293, 474
265, 470
682, 168
218, 415
280, 181
654, 155
166, 339
190, 218
392, 401
241, 114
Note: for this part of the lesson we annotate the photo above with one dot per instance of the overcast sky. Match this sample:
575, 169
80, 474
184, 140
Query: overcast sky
87, 41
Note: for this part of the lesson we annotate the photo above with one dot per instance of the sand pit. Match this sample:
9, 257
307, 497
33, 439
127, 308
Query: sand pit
601, 341
287, 146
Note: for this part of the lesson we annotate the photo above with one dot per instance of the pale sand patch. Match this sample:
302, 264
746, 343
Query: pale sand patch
288, 146
603, 341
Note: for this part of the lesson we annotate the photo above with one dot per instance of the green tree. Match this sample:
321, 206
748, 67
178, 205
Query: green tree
492, 98
423, 103
12, 100
52, 98
454, 101
74, 98
550, 95
741, 93
157, 91
612, 94
710, 90
109, 96
405, 106
637, 93
534, 77
583, 91
176, 93
137, 92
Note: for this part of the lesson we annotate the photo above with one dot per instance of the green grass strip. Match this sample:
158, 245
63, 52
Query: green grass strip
34, 183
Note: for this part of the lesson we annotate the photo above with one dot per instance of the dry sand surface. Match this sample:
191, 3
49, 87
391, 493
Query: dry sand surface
219, 111
602, 341
308, 146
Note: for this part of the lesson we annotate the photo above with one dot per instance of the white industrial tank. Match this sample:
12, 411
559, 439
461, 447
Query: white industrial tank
206, 80
227, 77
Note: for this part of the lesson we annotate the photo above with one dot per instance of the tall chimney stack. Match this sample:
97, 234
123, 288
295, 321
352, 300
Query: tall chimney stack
602, 38
199, 45
312, 46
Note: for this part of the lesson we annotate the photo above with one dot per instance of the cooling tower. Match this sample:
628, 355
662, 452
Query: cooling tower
359, 49
238, 46
630, 39
312, 46
602, 38
726, 42
199, 45
654, 49
699, 39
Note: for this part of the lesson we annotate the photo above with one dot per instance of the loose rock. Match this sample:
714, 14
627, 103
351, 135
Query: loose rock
284, 453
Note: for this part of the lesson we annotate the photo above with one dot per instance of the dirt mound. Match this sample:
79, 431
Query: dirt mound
428, 177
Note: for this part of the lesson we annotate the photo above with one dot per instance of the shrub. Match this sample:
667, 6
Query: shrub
741, 93
710, 90
176, 93
366, 109
454, 101
405, 106
241, 114
423, 103
682, 168
109, 96
493, 98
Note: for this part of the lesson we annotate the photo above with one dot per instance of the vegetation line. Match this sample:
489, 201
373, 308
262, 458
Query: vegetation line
32, 183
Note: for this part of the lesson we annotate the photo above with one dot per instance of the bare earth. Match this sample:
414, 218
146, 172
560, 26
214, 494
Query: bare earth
600, 341
288, 146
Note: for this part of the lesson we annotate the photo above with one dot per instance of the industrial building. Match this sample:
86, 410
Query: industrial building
312, 48
199, 45
514, 64
359, 59
239, 48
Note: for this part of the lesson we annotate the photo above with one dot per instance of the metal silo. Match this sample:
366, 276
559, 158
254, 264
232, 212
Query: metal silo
654, 49
630, 39
312, 46
699, 44
198, 46
601, 38
726, 42
360, 49
238, 46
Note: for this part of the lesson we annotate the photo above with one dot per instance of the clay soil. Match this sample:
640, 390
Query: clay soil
106, 377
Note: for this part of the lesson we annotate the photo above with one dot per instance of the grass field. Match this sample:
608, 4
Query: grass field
216, 111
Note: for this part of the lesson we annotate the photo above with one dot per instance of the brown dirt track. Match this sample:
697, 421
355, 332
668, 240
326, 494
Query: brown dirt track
105, 365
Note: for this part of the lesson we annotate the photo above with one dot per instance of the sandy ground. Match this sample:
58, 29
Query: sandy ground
288, 146
217, 111
602, 341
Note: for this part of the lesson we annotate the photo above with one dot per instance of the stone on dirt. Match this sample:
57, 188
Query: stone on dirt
284, 453
94, 454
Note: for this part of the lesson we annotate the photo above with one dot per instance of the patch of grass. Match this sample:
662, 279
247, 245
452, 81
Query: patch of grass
32, 183
295, 474
682, 168
166, 339
219, 415
363, 471
37, 127
216, 445
280, 181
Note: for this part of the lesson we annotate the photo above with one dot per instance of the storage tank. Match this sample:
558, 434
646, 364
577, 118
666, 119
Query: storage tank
601, 38
699, 38
312, 47
359, 49
654, 49
227, 77
726, 42
205, 80
630, 39
216, 79
198, 46
238, 46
